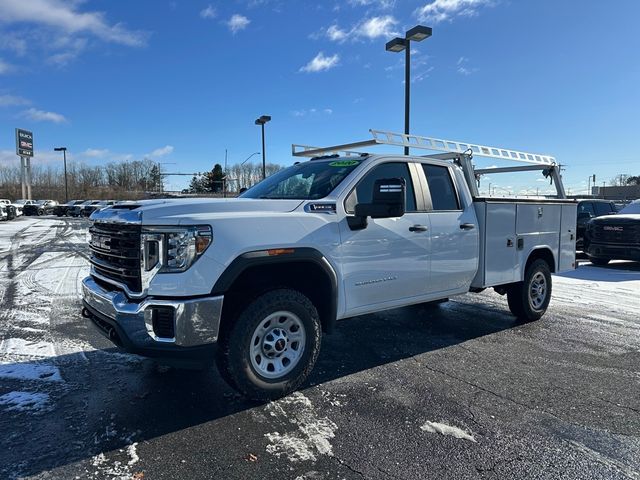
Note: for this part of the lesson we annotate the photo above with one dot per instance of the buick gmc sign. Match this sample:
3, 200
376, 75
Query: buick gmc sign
24, 143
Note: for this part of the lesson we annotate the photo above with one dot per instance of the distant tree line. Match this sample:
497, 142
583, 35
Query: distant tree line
130, 180
237, 177
624, 179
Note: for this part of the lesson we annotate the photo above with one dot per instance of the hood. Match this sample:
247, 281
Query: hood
174, 211
630, 218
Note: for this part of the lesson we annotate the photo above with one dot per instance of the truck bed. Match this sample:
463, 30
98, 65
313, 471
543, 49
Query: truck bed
511, 228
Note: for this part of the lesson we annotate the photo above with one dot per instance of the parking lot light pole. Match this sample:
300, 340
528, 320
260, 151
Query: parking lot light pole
261, 121
66, 185
415, 34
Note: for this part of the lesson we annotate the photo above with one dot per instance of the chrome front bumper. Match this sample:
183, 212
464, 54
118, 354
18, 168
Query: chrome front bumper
197, 321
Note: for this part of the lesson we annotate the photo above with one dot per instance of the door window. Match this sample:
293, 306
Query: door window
603, 208
443, 193
364, 190
586, 207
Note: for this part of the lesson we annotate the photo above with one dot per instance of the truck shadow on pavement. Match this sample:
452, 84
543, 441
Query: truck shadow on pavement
106, 400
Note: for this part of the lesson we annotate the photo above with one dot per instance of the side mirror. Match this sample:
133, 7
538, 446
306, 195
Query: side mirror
388, 201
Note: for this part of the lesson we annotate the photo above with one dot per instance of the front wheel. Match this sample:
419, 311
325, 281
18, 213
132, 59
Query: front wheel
528, 300
272, 346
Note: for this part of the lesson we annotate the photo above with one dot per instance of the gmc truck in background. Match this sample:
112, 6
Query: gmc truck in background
253, 282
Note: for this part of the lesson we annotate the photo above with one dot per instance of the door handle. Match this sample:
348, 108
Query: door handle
467, 226
418, 228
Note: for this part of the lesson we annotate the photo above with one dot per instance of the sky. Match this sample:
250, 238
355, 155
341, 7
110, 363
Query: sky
181, 81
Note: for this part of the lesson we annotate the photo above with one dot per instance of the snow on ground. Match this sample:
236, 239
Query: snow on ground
30, 371
444, 429
311, 435
19, 346
25, 401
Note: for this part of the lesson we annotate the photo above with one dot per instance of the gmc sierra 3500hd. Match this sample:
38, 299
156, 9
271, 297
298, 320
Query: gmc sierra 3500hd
254, 281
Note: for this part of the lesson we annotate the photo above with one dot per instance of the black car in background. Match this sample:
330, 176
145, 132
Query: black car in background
588, 209
614, 237
76, 210
87, 210
62, 210
41, 207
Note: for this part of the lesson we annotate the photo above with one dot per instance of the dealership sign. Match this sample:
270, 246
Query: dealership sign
24, 143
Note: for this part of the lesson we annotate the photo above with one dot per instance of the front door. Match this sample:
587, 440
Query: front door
388, 260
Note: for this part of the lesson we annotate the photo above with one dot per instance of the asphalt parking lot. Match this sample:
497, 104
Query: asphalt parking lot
458, 390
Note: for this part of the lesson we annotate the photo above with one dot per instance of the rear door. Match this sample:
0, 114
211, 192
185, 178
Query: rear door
454, 232
388, 260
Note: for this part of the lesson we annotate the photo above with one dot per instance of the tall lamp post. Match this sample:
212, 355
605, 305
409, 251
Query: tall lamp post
66, 185
261, 121
416, 34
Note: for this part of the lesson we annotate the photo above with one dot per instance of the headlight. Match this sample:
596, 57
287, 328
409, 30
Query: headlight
182, 246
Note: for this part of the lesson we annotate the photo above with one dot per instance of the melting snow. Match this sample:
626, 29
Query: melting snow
444, 429
30, 371
311, 436
20, 346
25, 401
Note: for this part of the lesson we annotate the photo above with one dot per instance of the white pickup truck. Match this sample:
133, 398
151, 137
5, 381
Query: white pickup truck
254, 281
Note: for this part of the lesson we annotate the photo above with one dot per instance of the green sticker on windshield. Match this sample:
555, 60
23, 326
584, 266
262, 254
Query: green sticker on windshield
344, 163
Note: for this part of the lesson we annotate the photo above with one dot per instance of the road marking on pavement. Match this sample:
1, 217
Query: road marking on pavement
444, 429
312, 435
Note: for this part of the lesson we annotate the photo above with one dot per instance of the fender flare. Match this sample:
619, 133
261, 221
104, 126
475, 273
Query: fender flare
294, 255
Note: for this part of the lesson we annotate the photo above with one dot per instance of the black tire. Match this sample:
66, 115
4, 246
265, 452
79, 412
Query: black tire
601, 262
234, 355
523, 303
40, 213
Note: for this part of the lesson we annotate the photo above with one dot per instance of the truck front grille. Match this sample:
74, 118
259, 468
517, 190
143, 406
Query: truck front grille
626, 233
115, 253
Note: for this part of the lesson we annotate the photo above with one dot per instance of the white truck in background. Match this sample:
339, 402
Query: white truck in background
254, 281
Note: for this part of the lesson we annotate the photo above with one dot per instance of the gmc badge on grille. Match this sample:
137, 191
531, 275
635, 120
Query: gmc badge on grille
101, 241
613, 229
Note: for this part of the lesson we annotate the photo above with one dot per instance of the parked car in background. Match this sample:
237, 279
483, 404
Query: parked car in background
614, 237
588, 209
62, 210
76, 210
3, 212
41, 207
87, 210
20, 204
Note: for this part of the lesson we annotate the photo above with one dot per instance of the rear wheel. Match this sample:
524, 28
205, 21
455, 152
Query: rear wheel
528, 300
601, 262
272, 346
40, 213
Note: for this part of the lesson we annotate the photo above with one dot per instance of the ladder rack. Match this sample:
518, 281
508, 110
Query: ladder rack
381, 137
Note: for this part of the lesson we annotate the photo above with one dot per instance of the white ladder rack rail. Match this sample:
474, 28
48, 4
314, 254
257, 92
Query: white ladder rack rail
381, 137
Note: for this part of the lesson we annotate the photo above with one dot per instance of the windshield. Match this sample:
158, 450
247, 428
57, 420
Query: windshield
307, 181
41, 202
633, 207
20, 202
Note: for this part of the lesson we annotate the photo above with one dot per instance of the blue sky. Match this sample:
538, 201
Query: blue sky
181, 81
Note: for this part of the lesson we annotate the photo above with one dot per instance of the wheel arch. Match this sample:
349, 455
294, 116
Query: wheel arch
543, 253
304, 269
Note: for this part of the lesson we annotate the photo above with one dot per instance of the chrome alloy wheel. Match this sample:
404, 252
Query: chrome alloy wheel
537, 291
277, 344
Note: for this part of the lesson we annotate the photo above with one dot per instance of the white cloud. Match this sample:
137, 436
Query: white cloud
321, 62
162, 151
440, 10
209, 12
463, 69
64, 16
336, 34
311, 111
43, 116
5, 67
238, 22
96, 152
12, 100
9, 41
382, 4
377, 27
369, 28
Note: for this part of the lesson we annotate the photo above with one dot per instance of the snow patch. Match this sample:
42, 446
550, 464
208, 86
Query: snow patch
25, 401
20, 346
444, 429
312, 435
30, 371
